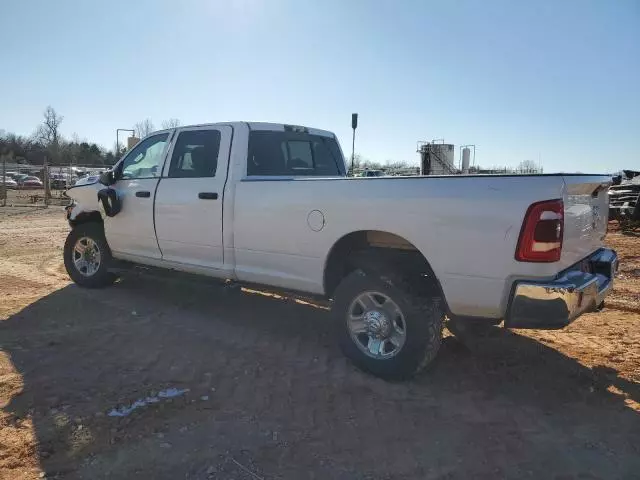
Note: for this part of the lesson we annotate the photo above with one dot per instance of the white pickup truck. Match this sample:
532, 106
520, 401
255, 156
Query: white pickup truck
271, 204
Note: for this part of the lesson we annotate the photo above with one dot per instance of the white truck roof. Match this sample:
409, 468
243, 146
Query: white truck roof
278, 127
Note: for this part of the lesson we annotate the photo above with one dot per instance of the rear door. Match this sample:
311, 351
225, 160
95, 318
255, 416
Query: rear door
189, 200
586, 210
274, 225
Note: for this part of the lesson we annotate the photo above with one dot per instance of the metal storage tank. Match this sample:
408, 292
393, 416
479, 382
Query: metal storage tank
445, 152
436, 158
466, 156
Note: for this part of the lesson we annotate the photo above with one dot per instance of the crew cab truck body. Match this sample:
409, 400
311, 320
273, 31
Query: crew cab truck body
270, 204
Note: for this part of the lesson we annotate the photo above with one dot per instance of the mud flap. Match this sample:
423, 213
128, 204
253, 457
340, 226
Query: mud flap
110, 201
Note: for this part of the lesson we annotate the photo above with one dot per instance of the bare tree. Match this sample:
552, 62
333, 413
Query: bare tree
357, 160
170, 123
144, 128
119, 150
370, 165
48, 133
396, 164
528, 166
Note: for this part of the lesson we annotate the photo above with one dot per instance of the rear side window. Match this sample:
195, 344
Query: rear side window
274, 153
195, 154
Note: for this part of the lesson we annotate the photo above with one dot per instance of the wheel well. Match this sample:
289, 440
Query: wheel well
85, 217
374, 251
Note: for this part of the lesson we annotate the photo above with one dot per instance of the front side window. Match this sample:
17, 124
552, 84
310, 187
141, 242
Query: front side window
273, 153
195, 154
145, 160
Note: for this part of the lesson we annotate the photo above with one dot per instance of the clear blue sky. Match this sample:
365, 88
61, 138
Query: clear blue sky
556, 80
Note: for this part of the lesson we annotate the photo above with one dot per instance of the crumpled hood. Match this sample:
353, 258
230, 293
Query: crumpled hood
87, 180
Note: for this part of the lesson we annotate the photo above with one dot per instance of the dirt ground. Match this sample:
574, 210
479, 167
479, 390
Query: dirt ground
262, 392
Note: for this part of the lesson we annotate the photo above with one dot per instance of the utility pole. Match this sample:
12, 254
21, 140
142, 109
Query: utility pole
354, 125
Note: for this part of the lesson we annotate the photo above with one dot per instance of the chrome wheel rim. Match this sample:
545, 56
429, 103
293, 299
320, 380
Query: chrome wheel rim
86, 256
376, 325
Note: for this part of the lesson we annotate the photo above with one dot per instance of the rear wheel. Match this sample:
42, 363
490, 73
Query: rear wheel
383, 327
87, 256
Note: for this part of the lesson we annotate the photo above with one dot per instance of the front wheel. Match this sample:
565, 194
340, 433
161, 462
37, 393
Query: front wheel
87, 256
383, 328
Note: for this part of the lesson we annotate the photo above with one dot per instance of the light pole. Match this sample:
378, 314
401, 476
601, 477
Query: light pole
354, 125
118, 130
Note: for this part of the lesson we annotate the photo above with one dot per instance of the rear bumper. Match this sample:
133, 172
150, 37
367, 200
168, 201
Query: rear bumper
556, 303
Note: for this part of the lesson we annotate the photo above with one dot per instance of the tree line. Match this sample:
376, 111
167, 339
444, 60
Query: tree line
361, 163
47, 142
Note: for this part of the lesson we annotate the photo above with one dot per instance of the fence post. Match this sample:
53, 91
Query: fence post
47, 187
4, 180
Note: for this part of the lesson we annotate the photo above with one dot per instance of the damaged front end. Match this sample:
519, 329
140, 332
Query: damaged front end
85, 202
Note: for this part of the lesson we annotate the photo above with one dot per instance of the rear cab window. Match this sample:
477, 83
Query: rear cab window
293, 153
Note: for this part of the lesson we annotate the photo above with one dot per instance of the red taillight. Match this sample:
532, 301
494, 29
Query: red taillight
542, 232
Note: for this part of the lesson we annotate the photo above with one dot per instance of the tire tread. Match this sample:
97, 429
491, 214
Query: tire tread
421, 304
103, 277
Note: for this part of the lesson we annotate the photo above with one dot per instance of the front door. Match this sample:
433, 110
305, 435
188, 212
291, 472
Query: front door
131, 231
190, 197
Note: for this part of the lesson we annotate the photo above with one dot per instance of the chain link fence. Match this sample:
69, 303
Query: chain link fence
40, 185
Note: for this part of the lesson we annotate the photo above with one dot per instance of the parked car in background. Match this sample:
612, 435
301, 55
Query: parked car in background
19, 177
624, 196
31, 182
58, 182
8, 182
11, 175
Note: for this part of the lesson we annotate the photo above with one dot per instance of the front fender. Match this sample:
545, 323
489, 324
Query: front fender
84, 201
76, 213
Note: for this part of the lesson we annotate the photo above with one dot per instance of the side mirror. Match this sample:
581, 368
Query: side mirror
107, 178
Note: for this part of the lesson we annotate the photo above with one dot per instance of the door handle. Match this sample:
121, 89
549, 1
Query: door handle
143, 194
208, 196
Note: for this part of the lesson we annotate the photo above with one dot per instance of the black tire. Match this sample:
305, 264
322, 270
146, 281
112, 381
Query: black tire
423, 319
102, 277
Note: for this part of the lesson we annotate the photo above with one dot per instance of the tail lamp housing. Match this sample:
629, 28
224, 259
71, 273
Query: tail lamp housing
542, 233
